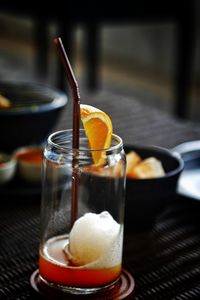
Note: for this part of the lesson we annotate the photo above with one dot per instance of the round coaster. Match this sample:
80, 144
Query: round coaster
123, 289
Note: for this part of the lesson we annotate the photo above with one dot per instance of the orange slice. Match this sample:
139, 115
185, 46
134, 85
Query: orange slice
98, 128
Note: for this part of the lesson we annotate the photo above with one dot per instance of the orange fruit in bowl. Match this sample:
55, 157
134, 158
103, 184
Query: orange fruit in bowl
98, 128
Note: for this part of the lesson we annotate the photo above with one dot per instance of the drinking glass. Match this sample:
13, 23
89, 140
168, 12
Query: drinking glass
82, 214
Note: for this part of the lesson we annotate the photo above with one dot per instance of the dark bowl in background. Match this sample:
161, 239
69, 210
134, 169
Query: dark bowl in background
146, 198
34, 112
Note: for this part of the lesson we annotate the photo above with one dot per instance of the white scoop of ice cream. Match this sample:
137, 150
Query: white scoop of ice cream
93, 236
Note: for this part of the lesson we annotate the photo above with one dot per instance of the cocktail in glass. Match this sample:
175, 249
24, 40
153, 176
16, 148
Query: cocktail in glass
82, 253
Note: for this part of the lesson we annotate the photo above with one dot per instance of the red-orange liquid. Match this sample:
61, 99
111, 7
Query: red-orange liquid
56, 269
32, 156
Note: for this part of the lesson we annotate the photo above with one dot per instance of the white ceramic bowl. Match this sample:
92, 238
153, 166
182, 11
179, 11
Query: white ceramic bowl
7, 167
29, 162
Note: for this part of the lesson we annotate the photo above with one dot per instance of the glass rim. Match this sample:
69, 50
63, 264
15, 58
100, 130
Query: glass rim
61, 147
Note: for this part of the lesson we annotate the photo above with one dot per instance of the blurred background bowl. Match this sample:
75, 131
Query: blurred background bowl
7, 168
146, 198
29, 163
31, 116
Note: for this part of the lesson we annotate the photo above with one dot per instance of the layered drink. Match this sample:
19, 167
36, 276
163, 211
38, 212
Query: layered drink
89, 257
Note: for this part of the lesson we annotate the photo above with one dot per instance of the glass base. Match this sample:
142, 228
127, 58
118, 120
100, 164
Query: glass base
76, 290
120, 289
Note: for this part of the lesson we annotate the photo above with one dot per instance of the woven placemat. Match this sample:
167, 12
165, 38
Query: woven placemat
164, 260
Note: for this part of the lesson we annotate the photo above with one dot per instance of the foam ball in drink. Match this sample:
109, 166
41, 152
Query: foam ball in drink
93, 238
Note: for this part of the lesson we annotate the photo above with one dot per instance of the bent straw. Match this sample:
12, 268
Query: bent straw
74, 88
76, 122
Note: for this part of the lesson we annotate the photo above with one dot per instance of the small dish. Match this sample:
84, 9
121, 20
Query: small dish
7, 168
29, 161
189, 181
146, 198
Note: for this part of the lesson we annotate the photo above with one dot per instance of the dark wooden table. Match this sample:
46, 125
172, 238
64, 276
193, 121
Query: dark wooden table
164, 259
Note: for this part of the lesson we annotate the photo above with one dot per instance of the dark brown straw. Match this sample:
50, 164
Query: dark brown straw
76, 122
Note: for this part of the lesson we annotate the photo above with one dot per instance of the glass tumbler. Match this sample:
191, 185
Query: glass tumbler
82, 214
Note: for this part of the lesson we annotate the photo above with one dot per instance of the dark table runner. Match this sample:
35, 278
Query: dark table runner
164, 260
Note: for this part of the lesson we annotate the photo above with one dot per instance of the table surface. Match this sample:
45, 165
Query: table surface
164, 259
